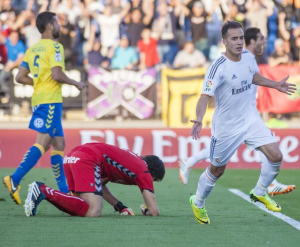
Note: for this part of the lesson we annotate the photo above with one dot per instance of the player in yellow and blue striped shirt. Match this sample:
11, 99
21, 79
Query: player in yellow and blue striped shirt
45, 62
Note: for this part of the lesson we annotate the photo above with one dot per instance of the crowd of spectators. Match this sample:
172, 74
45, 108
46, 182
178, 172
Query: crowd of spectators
137, 34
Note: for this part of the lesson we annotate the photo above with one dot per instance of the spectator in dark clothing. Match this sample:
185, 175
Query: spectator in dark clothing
295, 45
280, 56
198, 25
94, 56
137, 24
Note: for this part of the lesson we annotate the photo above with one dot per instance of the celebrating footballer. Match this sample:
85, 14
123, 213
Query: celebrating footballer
230, 79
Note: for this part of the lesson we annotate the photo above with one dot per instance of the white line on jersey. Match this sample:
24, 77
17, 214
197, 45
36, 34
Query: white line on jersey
290, 221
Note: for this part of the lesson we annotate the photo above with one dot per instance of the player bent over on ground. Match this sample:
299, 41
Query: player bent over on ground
235, 121
88, 169
45, 61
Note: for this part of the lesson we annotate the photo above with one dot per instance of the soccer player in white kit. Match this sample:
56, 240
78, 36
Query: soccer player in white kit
255, 42
235, 121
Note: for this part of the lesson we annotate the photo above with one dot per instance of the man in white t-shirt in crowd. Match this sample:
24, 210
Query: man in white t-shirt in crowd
189, 57
255, 42
230, 79
109, 25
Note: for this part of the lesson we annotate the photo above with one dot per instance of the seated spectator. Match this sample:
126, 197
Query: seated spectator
280, 56
148, 50
123, 56
94, 56
189, 57
15, 50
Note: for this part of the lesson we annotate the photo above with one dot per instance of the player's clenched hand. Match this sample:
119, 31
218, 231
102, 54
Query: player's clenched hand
285, 87
144, 209
127, 211
196, 128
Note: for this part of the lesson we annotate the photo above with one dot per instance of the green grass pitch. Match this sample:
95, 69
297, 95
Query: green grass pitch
234, 222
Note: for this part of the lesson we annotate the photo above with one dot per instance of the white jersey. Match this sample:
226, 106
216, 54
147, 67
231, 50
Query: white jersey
254, 87
231, 83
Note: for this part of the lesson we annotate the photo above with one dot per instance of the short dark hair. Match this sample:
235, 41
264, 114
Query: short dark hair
43, 19
156, 167
251, 33
230, 25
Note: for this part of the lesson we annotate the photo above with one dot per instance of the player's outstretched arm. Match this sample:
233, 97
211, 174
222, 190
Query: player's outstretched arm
150, 202
22, 76
200, 111
59, 76
281, 86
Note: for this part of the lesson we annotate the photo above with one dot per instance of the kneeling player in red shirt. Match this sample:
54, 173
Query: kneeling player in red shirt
88, 168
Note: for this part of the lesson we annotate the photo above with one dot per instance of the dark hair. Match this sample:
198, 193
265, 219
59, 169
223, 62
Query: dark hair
230, 25
251, 33
43, 19
156, 167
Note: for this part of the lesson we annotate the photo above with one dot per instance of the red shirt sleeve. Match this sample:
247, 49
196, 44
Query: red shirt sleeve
145, 182
141, 45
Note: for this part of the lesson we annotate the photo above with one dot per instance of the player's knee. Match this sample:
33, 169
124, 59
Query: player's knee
276, 158
59, 146
217, 171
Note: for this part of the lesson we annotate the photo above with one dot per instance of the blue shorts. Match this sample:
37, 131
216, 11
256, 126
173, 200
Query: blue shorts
46, 118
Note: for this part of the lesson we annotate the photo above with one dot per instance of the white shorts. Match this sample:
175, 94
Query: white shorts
256, 135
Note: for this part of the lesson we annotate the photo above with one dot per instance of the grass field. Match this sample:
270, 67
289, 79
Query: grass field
234, 221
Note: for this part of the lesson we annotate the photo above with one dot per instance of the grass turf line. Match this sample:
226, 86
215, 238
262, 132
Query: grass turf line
234, 222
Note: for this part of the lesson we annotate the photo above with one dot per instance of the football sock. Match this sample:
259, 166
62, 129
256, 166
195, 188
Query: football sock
202, 155
205, 185
268, 173
72, 205
30, 158
57, 168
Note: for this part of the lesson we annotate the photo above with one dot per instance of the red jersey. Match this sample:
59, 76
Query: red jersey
150, 51
116, 164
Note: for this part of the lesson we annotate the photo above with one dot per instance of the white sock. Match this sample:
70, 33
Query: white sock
268, 173
202, 155
264, 160
205, 185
